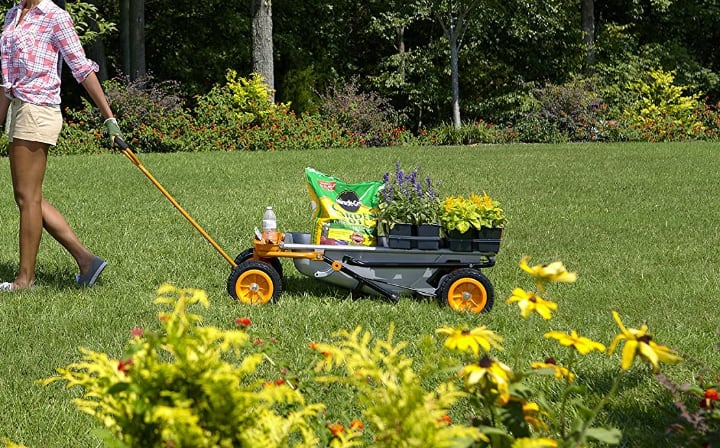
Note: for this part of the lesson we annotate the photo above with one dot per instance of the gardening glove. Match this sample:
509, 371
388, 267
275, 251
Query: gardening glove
113, 130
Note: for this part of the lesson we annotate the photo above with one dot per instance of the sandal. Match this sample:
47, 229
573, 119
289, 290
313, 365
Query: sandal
89, 279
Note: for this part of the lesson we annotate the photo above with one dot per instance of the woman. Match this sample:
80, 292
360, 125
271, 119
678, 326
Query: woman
36, 33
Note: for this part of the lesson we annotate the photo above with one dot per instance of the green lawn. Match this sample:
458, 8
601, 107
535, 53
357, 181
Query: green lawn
639, 223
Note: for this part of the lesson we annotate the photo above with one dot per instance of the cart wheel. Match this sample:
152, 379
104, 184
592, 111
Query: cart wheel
466, 290
254, 282
247, 255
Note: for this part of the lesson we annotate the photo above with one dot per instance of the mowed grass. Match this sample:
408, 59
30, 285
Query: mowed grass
639, 223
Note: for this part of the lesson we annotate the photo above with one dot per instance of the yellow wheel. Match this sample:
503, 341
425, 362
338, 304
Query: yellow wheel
466, 290
254, 282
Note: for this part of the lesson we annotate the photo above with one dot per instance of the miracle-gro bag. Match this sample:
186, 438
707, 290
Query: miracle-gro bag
342, 213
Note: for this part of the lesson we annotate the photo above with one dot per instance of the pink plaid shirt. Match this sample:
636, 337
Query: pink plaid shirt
31, 49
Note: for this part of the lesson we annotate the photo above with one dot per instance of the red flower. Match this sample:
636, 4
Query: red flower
137, 332
124, 365
712, 394
243, 322
357, 425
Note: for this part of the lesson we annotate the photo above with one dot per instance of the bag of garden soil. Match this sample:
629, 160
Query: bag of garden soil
342, 213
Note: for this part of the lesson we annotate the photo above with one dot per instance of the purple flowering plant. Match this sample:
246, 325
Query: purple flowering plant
408, 197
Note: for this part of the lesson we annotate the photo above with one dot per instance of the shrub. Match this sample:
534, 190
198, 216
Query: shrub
236, 116
661, 107
571, 108
188, 385
151, 115
366, 117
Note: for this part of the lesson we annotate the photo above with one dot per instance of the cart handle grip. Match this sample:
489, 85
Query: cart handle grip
121, 143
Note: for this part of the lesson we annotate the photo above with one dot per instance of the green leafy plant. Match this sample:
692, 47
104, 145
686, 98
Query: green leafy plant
407, 197
398, 409
461, 213
188, 385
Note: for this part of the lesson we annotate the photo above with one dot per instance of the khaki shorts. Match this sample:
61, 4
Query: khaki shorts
34, 123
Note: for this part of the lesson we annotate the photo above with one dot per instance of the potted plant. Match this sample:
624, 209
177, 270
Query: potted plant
408, 207
470, 223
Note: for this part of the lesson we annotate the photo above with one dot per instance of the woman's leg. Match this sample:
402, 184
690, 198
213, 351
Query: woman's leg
58, 228
27, 169
27, 165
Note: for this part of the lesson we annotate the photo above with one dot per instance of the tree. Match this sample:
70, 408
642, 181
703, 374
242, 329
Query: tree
132, 37
262, 42
453, 16
588, 27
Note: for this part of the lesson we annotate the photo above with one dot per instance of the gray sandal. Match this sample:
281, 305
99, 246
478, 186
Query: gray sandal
89, 279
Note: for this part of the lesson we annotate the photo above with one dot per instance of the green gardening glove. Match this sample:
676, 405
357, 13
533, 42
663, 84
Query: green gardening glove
113, 130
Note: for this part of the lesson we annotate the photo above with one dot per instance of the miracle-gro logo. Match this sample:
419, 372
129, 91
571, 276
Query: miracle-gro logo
349, 201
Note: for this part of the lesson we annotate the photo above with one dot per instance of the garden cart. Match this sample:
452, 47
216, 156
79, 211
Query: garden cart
452, 277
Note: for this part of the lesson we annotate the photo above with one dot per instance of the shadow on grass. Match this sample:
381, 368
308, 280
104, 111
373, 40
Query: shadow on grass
643, 421
319, 288
57, 278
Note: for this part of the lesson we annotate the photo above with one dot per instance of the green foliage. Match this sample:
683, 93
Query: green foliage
239, 116
468, 134
366, 117
188, 385
573, 108
151, 116
461, 214
89, 24
400, 412
659, 102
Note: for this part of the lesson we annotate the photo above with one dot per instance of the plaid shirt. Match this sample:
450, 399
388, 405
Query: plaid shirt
31, 49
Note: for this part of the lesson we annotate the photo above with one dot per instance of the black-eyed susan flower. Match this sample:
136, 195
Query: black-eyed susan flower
464, 340
559, 372
639, 342
553, 272
529, 302
580, 343
490, 376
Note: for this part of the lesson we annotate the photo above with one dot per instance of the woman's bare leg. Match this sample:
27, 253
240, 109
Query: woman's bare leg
27, 168
28, 161
58, 228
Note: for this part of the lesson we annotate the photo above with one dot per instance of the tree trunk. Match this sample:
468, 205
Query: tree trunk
455, 76
137, 39
262, 43
124, 29
588, 27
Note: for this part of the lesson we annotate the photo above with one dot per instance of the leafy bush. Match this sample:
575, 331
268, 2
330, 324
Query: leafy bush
662, 106
366, 117
475, 133
189, 385
571, 108
238, 116
151, 115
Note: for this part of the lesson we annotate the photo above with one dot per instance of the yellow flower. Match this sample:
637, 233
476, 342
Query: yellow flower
580, 343
532, 413
560, 372
553, 272
527, 442
490, 376
529, 302
639, 342
464, 340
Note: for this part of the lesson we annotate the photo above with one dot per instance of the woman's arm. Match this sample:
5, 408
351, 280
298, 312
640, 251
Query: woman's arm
94, 89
